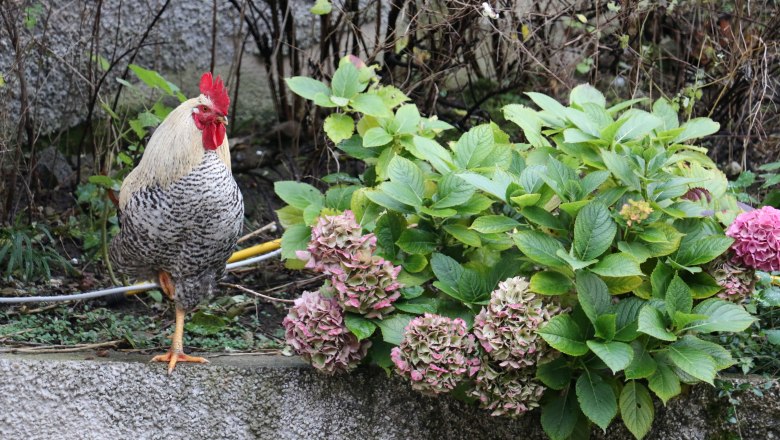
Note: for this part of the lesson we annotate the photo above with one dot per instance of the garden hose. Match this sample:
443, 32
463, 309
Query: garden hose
252, 251
244, 257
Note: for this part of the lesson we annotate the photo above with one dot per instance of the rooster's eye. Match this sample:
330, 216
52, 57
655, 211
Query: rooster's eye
204, 109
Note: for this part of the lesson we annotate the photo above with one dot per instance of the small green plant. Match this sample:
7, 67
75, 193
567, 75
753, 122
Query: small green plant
609, 212
27, 252
96, 213
757, 350
213, 328
769, 179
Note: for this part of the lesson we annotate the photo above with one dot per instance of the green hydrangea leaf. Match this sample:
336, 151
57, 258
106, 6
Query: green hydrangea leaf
694, 361
463, 235
606, 326
346, 81
550, 283
338, 127
636, 408
627, 311
664, 383
597, 399
617, 265
295, 238
489, 224
695, 251
359, 326
559, 415
417, 241
297, 194
371, 105
592, 295
564, 335
539, 247
642, 365
617, 355
393, 327
306, 87
376, 137
722, 316
678, 297
555, 374
594, 231
651, 322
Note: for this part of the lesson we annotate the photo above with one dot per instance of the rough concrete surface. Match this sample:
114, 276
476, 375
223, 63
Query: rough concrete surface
77, 396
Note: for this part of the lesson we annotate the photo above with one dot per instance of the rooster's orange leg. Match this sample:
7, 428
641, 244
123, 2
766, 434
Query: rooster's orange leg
176, 353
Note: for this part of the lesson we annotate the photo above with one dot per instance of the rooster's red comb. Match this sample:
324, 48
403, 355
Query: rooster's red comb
216, 92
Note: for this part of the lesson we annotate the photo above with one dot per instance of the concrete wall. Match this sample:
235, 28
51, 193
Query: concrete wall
246, 397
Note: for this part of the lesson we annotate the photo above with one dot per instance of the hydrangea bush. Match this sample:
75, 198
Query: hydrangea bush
580, 257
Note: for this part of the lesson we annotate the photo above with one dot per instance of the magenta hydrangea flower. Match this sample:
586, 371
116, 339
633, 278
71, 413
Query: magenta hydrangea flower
507, 326
756, 237
367, 285
315, 329
335, 239
436, 353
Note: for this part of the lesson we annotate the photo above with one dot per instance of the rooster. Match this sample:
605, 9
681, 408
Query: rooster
180, 210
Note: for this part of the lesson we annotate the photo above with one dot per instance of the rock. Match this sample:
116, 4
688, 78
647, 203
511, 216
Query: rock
53, 169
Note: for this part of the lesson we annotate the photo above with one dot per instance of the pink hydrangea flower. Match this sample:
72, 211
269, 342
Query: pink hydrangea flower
756, 237
436, 353
315, 329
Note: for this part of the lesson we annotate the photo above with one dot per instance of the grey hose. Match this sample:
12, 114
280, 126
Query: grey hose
114, 290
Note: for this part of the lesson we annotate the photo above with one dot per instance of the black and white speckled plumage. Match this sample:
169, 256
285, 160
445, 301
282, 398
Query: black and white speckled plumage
188, 229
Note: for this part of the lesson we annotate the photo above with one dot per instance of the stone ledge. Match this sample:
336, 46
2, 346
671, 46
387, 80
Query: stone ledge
257, 397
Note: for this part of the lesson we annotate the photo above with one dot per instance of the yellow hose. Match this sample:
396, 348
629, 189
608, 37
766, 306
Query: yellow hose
249, 252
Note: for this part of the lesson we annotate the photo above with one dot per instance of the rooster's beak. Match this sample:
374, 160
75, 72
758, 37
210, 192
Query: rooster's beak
222, 120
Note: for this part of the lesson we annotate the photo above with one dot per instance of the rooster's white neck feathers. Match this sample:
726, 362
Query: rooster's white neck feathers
175, 148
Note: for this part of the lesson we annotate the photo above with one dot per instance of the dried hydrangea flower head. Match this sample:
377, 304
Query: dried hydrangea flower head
315, 329
756, 237
335, 239
507, 326
367, 285
506, 392
737, 282
436, 353
634, 212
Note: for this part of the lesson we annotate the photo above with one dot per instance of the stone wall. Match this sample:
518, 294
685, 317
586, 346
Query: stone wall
57, 46
259, 397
